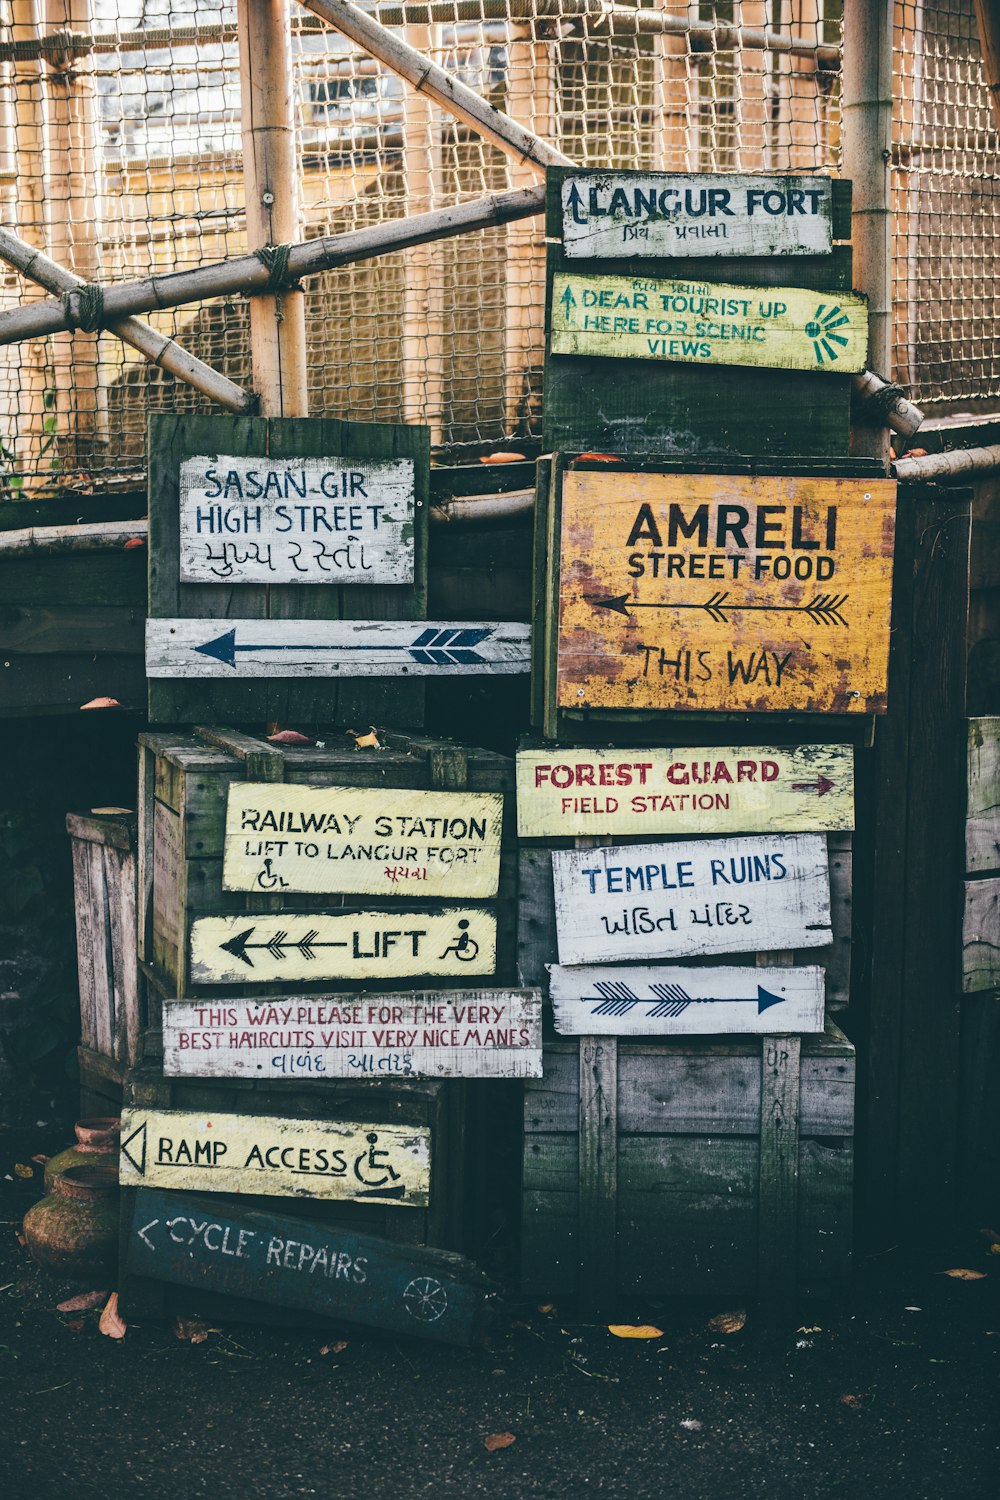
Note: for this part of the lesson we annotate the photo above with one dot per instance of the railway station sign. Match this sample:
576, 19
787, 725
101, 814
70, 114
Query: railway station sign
569, 793
375, 841
628, 215
266, 1154
296, 520
281, 947
740, 895
495, 1033
696, 322
665, 1001
723, 592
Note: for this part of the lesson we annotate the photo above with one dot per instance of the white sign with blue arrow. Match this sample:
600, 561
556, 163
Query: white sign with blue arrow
665, 1001
235, 649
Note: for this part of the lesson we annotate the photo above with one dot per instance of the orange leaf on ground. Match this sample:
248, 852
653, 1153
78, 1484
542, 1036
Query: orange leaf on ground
503, 458
83, 1303
133, 542
337, 1348
963, 1275
598, 458
288, 737
729, 1322
190, 1330
635, 1331
111, 1324
23, 1170
100, 703
497, 1440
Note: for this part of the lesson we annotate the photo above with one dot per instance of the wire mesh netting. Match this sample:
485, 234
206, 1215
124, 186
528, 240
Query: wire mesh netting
121, 155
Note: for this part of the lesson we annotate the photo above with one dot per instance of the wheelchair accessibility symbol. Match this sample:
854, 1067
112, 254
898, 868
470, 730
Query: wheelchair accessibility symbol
372, 1167
425, 1299
267, 880
465, 948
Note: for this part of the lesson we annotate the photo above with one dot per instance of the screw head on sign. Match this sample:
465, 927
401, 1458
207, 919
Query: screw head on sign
579, 692
267, 199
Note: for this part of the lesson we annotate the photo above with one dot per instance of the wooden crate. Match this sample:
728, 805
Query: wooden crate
112, 990
183, 786
689, 1167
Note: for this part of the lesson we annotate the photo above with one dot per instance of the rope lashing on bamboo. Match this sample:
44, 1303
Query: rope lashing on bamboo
275, 258
84, 307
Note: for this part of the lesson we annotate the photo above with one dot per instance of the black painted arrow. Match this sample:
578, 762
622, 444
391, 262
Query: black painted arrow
824, 609
618, 1000
439, 648
277, 946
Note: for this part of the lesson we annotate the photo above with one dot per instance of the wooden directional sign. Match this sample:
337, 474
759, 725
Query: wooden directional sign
696, 322
725, 789
376, 842
730, 592
628, 215
422, 1034
288, 946
706, 896
235, 649
664, 1001
323, 1269
220, 1153
296, 520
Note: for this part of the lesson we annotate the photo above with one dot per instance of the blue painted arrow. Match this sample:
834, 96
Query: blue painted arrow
439, 648
574, 200
618, 1000
568, 301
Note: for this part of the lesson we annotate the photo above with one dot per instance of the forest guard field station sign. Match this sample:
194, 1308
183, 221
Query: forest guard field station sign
569, 793
221, 1153
695, 322
357, 840
723, 592
420, 1034
628, 215
296, 520
641, 901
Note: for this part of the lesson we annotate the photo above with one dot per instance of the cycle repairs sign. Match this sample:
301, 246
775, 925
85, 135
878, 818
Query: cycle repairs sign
220, 1153
724, 592
702, 323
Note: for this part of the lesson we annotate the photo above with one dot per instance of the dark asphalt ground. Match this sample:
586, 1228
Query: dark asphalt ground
889, 1390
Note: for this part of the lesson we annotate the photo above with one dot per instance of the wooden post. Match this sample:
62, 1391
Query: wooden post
423, 382
73, 201
277, 323
531, 101
867, 114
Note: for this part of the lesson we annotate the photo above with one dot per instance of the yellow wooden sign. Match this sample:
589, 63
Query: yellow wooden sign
702, 323
564, 793
371, 841
728, 592
220, 1153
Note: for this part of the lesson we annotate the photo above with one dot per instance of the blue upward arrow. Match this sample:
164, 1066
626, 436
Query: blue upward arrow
575, 201
568, 300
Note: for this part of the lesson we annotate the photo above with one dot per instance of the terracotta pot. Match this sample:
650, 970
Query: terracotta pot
74, 1231
96, 1142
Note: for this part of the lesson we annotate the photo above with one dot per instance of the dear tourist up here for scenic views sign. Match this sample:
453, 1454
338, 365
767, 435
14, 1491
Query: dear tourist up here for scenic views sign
619, 215
369, 841
695, 322
296, 520
742, 895
724, 592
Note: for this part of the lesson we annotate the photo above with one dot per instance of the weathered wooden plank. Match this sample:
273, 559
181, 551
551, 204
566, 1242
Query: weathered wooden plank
640, 901
296, 520
721, 789
665, 1001
981, 936
326, 1270
372, 842
635, 215
598, 1169
288, 946
249, 650
492, 1033
271, 1155
777, 1248
777, 599
982, 819
693, 322
53, 629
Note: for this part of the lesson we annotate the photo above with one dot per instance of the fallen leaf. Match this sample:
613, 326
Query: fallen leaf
83, 1303
729, 1322
100, 703
497, 1440
503, 458
963, 1275
369, 741
598, 458
337, 1348
814, 1329
855, 1402
23, 1170
75, 1325
191, 1330
133, 542
546, 1307
288, 737
635, 1331
111, 1324
40, 1159
916, 453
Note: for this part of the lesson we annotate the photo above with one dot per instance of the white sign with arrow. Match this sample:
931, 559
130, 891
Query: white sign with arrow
234, 649
662, 1001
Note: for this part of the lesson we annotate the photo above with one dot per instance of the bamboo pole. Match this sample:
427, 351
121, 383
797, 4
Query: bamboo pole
422, 343
867, 113
426, 77
958, 464
901, 415
988, 22
156, 347
277, 322
245, 273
